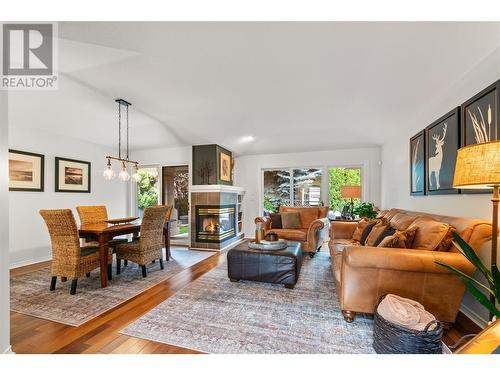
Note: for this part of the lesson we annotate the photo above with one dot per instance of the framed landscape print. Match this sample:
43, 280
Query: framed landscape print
72, 176
417, 164
26, 171
225, 166
442, 142
480, 122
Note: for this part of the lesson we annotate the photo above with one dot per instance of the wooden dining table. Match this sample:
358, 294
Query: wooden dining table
105, 232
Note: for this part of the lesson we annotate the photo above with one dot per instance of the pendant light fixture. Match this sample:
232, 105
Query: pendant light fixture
124, 174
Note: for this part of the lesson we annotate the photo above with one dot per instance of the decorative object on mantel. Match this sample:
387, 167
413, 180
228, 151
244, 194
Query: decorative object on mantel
477, 167
417, 164
212, 165
26, 171
72, 176
124, 175
442, 139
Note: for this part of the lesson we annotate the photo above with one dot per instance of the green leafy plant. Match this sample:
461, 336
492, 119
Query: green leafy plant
365, 209
146, 190
476, 288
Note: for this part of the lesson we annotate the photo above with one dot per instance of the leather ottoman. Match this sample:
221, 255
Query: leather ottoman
271, 266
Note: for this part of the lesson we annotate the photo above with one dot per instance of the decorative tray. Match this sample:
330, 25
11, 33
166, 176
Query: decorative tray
123, 220
268, 245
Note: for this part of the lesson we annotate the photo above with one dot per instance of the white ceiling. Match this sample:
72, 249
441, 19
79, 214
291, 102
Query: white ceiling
292, 86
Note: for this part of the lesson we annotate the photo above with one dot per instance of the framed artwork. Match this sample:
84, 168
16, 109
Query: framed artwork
72, 176
442, 142
480, 122
417, 164
26, 171
225, 166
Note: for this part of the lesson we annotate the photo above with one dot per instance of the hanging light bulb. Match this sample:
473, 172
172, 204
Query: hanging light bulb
109, 173
136, 176
124, 175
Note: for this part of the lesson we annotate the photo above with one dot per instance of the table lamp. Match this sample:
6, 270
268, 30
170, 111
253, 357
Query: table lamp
351, 191
478, 167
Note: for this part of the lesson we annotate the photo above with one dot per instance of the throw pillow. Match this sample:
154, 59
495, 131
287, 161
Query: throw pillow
430, 233
291, 220
447, 241
276, 221
389, 231
367, 230
401, 239
375, 233
359, 229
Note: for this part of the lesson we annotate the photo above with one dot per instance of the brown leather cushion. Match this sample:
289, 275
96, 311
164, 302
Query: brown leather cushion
276, 221
292, 234
375, 233
402, 221
389, 231
291, 220
430, 233
359, 229
307, 214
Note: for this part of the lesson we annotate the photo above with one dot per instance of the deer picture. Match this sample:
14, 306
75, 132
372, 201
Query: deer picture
436, 161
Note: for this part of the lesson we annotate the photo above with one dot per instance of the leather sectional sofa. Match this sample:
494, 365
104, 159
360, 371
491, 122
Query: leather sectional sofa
363, 274
313, 232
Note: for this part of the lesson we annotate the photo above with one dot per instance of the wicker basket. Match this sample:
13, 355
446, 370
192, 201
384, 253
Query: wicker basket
389, 338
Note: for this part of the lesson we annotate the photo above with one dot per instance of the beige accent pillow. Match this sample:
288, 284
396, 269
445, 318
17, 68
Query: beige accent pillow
359, 229
430, 233
375, 233
402, 239
291, 220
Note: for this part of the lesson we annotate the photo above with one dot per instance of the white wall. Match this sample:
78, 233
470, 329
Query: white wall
395, 157
248, 174
29, 239
4, 229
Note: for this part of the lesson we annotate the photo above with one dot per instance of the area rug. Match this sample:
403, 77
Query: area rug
29, 293
214, 315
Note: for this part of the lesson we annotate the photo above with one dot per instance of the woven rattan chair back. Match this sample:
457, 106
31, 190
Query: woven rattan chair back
92, 214
63, 236
152, 228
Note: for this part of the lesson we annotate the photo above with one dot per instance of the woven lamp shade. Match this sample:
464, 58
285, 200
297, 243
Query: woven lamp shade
478, 166
350, 191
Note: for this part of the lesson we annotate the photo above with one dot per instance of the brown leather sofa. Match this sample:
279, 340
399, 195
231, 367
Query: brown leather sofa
363, 274
314, 231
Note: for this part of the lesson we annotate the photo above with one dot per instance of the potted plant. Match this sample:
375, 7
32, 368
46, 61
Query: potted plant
476, 288
365, 209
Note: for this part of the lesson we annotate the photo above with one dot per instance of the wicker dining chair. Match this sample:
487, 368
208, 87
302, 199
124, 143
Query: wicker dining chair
69, 259
149, 246
96, 215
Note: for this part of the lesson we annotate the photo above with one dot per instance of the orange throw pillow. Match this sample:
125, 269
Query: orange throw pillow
359, 229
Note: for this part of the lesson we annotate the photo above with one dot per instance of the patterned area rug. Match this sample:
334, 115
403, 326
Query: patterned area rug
29, 293
214, 315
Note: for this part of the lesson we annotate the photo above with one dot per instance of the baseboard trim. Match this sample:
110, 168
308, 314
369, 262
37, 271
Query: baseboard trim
8, 350
473, 317
29, 262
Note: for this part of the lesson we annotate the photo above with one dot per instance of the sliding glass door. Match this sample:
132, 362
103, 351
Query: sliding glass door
175, 192
299, 187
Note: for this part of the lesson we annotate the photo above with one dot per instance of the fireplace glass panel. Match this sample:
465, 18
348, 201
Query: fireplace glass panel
215, 223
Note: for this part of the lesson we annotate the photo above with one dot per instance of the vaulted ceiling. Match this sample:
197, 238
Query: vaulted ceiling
292, 86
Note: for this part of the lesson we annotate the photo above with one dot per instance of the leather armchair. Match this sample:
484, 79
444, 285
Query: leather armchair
363, 274
314, 231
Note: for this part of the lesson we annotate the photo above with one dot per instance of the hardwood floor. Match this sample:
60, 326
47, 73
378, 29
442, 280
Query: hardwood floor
101, 335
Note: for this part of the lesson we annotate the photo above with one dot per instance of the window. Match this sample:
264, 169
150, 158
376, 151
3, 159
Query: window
338, 177
291, 187
147, 189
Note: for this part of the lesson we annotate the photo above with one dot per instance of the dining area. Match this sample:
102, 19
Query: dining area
99, 242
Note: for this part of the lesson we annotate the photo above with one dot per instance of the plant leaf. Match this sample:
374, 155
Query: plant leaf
464, 276
481, 298
473, 258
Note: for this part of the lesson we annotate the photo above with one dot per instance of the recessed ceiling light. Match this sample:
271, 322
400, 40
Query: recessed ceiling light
247, 139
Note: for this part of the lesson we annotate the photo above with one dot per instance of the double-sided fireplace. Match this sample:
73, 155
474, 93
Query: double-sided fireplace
215, 223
